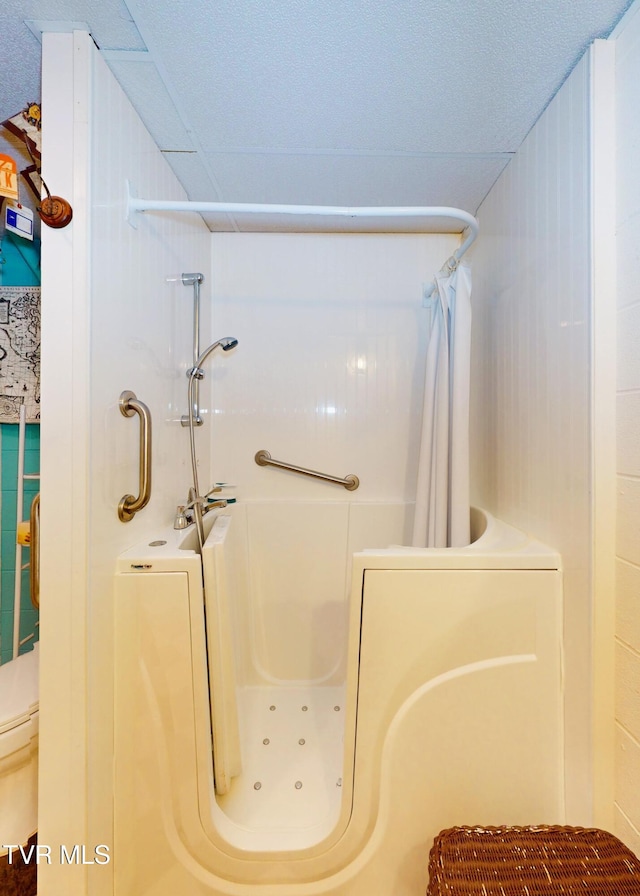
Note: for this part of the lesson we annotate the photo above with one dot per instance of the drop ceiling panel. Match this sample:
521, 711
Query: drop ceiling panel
109, 21
269, 223
366, 102
143, 85
335, 180
368, 74
20, 81
353, 180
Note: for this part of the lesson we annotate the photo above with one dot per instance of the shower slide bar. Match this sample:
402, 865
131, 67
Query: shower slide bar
264, 459
194, 280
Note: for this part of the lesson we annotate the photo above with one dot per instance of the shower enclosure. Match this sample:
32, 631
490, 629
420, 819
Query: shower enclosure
305, 714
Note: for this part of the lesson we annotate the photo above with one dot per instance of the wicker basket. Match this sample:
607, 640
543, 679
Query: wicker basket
531, 861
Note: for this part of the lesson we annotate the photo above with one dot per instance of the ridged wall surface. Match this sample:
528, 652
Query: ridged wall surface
531, 375
140, 339
329, 370
628, 438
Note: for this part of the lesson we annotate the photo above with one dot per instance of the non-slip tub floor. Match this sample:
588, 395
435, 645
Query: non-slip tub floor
292, 745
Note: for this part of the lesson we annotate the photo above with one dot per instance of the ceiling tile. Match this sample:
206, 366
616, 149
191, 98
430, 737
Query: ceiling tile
370, 102
143, 85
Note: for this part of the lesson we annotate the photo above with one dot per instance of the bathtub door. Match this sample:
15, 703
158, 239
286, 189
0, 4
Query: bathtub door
222, 676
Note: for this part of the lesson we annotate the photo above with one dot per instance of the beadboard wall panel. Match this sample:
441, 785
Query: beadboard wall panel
628, 445
111, 323
329, 370
530, 426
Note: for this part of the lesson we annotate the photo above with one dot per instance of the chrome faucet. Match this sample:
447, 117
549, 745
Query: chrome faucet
181, 521
186, 513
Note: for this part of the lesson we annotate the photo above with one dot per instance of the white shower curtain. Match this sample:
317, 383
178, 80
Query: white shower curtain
442, 495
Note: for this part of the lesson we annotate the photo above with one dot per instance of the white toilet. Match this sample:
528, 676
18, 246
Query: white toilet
18, 749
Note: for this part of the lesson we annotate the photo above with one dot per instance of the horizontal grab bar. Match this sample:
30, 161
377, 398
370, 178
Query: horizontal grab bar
350, 482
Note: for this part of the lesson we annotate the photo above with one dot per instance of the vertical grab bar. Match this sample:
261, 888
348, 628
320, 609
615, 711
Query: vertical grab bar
34, 560
129, 505
22, 478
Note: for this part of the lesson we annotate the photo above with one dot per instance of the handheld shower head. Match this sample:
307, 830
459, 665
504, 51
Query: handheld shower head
193, 418
226, 344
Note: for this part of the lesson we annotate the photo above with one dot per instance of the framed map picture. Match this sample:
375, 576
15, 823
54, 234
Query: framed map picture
19, 353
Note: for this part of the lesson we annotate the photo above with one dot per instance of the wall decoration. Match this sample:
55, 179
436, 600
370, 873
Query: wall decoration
19, 352
54, 211
26, 125
8, 177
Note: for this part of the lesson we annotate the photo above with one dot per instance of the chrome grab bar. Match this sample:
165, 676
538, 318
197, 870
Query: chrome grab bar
34, 558
129, 505
264, 459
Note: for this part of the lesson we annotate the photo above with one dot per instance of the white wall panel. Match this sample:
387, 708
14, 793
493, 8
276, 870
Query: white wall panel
141, 326
329, 369
531, 374
628, 404
625, 830
627, 690
628, 604
628, 785
63, 462
629, 338
117, 325
140, 339
628, 441
628, 528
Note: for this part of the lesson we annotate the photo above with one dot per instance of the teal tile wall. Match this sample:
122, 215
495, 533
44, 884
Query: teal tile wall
19, 266
9, 488
19, 261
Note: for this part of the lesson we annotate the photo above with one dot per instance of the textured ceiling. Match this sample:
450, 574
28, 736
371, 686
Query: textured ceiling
365, 102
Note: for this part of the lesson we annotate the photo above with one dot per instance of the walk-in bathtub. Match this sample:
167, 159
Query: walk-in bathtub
346, 732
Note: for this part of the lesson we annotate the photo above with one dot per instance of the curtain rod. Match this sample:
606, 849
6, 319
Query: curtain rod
470, 231
134, 204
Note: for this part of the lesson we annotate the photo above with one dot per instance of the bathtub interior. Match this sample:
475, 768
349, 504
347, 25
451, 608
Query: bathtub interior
279, 577
290, 570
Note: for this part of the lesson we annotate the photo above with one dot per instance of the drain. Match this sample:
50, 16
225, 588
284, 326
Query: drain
336, 709
305, 708
302, 741
257, 785
266, 741
298, 785
272, 709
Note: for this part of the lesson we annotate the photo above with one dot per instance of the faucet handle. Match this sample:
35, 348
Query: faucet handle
181, 521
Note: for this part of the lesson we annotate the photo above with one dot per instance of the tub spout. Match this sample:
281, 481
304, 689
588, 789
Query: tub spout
211, 505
